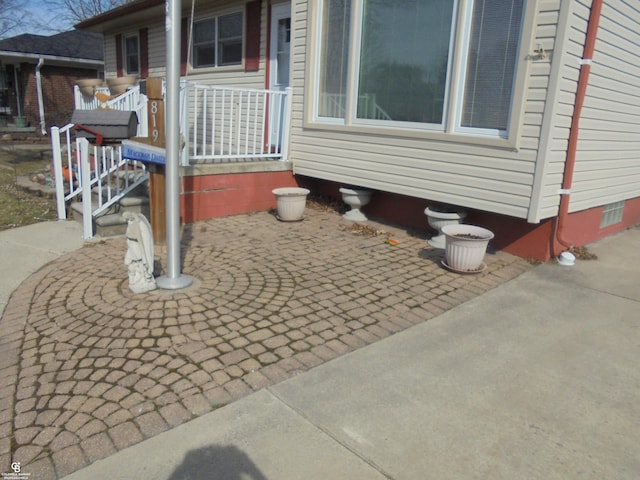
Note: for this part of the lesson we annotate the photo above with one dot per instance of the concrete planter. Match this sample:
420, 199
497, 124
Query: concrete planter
440, 216
119, 85
465, 248
290, 202
356, 198
88, 86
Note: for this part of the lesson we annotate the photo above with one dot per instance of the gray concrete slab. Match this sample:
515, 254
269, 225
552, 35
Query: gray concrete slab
535, 379
26, 249
254, 438
616, 269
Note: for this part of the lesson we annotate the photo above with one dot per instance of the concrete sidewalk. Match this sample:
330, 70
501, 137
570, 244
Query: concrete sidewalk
25, 250
535, 379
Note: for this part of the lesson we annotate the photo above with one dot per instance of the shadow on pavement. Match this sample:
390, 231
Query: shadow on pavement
217, 463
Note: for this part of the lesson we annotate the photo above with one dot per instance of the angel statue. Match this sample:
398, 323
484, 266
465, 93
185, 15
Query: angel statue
139, 257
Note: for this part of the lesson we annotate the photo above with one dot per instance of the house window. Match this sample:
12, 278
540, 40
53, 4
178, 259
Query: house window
405, 69
132, 54
334, 58
491, 63
218, 41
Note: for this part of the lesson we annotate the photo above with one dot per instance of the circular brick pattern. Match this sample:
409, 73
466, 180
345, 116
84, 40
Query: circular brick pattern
97, 368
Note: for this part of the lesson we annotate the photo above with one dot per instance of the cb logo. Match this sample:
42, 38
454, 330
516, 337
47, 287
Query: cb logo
15, 466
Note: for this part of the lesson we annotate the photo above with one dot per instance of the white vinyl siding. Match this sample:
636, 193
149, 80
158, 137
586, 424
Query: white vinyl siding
608, 159
471, 175
226, 76
560, 30
607, 165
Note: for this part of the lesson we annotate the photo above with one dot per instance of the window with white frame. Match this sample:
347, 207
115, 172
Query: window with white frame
404, 68
217, 41
131, 54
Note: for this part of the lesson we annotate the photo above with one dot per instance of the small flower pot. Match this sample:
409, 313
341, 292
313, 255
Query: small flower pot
465, 248
290, 203
440, 216
20, 122
356, 198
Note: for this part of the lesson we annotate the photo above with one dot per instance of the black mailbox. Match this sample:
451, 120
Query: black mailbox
101, 125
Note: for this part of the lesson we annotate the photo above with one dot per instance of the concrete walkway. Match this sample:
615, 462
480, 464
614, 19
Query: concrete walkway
515, 375
536, 379
25, 250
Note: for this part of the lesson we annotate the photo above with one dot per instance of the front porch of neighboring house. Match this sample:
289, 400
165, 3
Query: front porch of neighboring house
235, 152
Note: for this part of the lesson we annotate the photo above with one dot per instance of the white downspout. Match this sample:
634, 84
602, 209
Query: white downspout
43, 126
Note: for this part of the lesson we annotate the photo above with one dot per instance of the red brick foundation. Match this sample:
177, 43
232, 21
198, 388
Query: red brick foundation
218, 195
513, 235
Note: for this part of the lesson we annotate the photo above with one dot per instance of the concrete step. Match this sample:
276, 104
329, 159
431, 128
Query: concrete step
110, 222
110, 225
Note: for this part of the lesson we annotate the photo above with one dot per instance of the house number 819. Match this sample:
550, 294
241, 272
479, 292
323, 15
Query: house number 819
154, 110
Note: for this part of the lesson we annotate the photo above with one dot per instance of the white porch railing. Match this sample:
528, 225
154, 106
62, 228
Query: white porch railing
94, 172
130, 101
217, 124
225, 124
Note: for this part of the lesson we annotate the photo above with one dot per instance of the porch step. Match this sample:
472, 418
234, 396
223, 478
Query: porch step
110, 223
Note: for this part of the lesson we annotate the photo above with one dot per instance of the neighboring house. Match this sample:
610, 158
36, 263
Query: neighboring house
37, 75
487, 105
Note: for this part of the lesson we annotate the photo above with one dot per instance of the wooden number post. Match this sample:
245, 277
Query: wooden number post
155, 109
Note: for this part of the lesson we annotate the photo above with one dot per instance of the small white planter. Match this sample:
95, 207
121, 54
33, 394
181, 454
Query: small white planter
465, 248
119, 85
441, 216
88, 86
356, 198
291, 202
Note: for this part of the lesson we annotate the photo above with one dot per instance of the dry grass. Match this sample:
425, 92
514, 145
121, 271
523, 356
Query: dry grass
17, 207
582, 253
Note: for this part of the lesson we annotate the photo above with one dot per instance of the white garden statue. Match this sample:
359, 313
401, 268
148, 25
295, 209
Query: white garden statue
140, 253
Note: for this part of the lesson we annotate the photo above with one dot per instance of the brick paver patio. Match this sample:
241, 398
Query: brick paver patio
89, 368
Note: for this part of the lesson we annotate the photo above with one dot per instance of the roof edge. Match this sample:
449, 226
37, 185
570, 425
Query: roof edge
57, 58
117, 12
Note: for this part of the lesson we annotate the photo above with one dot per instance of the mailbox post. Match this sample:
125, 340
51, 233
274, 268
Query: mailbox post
157, 181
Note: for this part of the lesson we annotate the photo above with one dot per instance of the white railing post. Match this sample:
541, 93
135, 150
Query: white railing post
57, 173
77, 98
286, 127
85, 176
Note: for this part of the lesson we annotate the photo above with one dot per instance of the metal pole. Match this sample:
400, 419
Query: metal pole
173, 280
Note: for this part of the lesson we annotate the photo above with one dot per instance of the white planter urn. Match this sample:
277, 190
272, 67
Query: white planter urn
119, 85
440, 216
290, 203
465, 247
356, 198
88, 86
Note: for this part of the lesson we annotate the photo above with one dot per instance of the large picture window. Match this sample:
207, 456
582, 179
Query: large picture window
397, 63
217, 41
